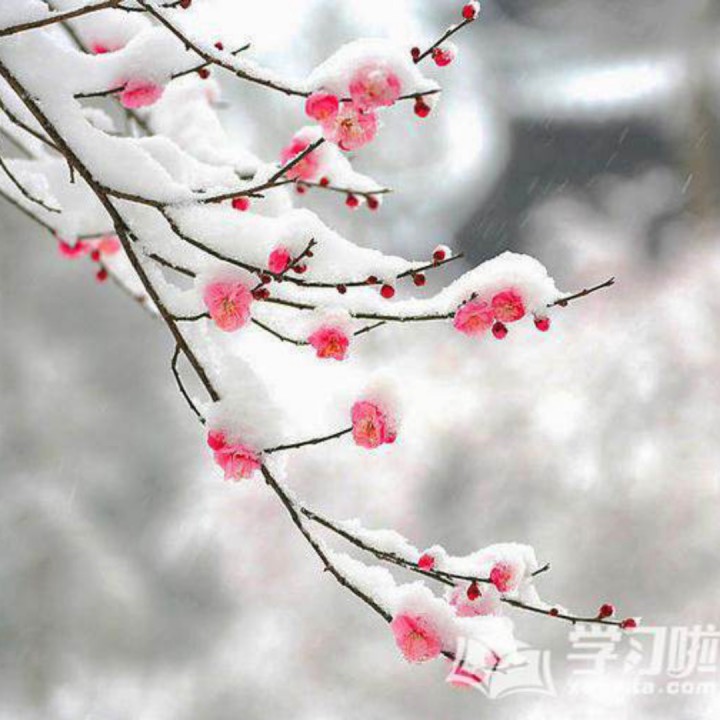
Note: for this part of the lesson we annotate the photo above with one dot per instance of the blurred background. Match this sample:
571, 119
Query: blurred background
135, 584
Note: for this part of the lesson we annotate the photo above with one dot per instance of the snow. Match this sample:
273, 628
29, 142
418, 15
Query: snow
335, 73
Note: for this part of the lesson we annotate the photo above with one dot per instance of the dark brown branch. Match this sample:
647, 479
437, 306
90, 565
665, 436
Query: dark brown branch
446, 578
120, 227
445, 36
211, 59
277, 334
344, 190
562, 302
305, 443
181, 386
317, 547
58, 17
24, 126
119, 88
23, 191
166, 263
272, 182
28, 213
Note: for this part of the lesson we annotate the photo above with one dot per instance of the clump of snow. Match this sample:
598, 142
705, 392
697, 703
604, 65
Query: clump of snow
336, 72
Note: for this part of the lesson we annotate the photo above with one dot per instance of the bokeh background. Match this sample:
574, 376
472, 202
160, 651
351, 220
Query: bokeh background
135, 584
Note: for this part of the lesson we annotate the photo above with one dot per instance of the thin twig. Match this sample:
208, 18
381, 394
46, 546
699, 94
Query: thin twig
317, 547
118, 221
23, 191
305, 443
272, 182
562, 302
58, 17
181, 386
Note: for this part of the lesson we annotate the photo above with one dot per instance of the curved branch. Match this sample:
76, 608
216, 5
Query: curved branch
58, 17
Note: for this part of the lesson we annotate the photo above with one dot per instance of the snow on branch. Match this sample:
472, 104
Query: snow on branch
203, 234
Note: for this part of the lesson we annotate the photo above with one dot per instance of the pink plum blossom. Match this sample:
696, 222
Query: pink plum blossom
140, 93
237, 461
374, 86
508, 305
306, 169
473, 318
330, 342
228, 304
372, 425
351, 128
322, 106
279, 260
505, 576
417, 637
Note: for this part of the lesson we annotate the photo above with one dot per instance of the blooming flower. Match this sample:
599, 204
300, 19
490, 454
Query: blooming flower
322, 106
372, 425
279, 259
140, 93
351, 128
237, 460
508, 305
473, 318
228, 304
505, 576
330, 342
306, 169
416, 636
374, 86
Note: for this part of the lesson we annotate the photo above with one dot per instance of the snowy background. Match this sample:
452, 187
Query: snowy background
135, 584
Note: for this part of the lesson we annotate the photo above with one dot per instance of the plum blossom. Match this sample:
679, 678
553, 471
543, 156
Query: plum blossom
506, 576
417, 637
351, 128
228, 303
374, 86
237, 461
372, 425
474, 317
306, 169
279, 260
508, 305
330, 342
140, 93
322, 106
